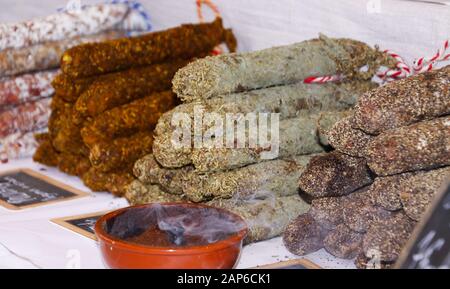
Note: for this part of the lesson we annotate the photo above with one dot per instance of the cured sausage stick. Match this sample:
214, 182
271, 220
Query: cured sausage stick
339, 175
120, 152
214, 76
411, 191
45, 152
297, 136
257, 181
115, 89
26, 88
183, 42
68, 24
18, 145
266, 218
400, 103
44, 56
138, 193
288, 100
424, 145
125, 120
114, 182
348, 140
24, 118
149, 171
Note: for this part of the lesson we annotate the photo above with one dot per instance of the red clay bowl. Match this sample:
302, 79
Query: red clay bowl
121, 254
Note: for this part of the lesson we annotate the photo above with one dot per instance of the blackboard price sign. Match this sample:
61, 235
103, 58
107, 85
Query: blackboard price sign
80, 224
26, 188
429, 247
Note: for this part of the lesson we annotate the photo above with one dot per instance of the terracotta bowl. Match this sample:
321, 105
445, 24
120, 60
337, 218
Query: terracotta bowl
121, 254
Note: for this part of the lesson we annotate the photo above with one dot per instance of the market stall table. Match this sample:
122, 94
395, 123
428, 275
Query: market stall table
28, 239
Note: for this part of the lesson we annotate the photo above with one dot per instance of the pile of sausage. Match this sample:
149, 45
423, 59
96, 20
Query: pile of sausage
30, 53
391, 156
259, 186
108, 98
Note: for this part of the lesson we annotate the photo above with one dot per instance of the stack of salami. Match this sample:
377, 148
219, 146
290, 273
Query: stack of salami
392, 155
30, 53
260, 188
109, 97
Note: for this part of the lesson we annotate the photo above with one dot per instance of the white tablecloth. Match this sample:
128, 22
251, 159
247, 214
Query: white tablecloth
29, 240
413, 29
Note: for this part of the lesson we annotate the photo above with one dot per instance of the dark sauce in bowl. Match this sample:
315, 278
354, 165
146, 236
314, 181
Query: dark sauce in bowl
173, 226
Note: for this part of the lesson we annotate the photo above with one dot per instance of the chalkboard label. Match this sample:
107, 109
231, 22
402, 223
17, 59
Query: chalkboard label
80, 224
429, 246
26, 188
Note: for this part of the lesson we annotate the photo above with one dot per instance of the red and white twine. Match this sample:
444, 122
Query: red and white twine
402, 69
322, 79
426, 64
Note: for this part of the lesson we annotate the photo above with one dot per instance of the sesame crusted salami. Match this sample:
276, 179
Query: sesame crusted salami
348, 140
215, 76
44, 56
385, 192
411, 192
339, 175
388, 237
304, 235
400, 103
363, 262
359, 212
325, 123
418, 190
67, 24
343, 242
423, 145
25, 88
25, 117
327, 211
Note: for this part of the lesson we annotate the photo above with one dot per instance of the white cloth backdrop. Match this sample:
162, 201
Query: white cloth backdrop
413, 29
